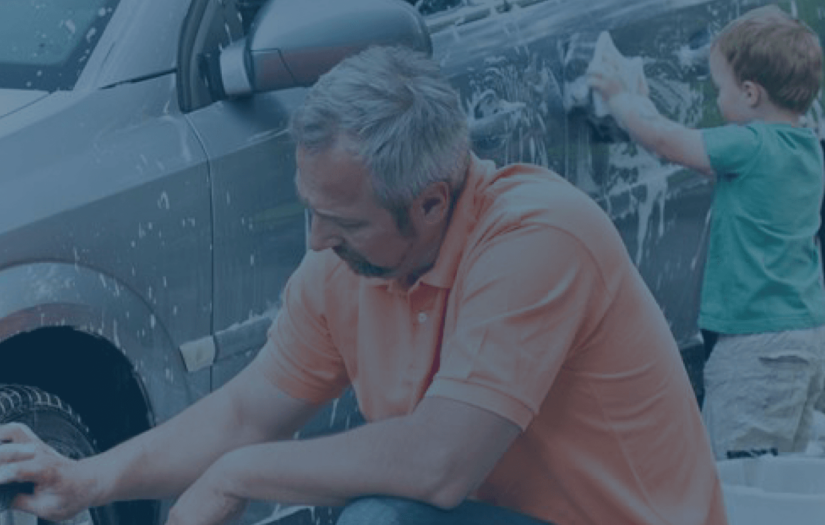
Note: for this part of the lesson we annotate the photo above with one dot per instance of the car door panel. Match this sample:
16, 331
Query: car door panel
259, 228
660, 210
258, 223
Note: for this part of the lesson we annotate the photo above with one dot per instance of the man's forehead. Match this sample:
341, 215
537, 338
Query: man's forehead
331, 179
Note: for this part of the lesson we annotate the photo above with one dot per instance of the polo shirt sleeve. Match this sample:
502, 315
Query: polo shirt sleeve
527, 299
300, 356
732, 148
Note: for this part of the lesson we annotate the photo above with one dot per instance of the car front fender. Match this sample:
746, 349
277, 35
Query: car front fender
42, 295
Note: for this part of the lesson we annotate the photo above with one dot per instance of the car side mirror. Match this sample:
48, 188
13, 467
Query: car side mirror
292, 43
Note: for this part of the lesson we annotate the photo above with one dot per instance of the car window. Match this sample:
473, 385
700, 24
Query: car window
446, 14
248, 9
209, 28
45, 43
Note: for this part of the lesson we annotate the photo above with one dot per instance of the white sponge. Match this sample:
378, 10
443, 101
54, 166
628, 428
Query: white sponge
607, 58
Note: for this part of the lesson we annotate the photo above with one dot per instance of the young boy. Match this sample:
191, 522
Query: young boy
762, 294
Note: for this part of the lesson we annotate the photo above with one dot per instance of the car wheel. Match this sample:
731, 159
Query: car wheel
59, 427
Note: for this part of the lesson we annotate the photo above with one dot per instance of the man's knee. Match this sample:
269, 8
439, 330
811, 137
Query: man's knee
380, 511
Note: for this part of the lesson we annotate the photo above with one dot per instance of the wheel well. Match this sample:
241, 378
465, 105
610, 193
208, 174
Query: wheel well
94, 378
87, 373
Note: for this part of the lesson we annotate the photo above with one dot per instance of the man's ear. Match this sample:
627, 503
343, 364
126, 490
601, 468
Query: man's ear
432, 206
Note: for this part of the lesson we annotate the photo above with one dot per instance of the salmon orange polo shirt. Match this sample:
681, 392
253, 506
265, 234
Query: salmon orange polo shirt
535, 312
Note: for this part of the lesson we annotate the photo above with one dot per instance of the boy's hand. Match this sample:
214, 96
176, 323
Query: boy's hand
606, 79
605, 82
58, 491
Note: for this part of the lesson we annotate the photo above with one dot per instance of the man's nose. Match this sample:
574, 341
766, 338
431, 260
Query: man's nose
322, 234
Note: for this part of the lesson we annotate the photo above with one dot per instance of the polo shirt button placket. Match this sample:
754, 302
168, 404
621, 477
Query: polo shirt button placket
422, 317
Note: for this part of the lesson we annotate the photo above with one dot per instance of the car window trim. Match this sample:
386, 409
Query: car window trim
457, 17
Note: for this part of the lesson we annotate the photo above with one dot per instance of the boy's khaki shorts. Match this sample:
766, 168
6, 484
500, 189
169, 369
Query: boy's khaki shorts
761, 389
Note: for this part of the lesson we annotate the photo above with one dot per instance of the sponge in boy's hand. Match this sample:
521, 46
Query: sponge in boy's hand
608, 60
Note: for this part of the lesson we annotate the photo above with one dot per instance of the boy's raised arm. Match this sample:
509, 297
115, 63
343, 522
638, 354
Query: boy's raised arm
637, 114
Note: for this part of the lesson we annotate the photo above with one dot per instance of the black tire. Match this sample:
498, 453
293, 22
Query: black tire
59, 427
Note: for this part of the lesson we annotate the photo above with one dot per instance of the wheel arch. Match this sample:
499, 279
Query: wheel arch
118, 325
85, 371
96, 380
82, 335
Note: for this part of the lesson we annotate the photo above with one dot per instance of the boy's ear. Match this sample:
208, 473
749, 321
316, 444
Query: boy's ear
752, 92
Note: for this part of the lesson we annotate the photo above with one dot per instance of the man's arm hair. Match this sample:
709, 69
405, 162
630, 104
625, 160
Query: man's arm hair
438, 455
164, 461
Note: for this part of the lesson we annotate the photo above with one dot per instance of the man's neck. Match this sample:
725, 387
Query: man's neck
431, 250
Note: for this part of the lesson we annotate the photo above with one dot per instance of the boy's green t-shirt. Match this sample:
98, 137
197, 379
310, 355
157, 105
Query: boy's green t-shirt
763, 271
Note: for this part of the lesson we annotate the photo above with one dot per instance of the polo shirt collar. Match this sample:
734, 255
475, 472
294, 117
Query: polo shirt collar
462, 222
480, 175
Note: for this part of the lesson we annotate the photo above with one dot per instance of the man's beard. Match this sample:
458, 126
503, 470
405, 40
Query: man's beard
359, 264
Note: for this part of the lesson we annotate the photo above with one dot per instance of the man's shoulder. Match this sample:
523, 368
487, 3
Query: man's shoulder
526, 200
533, 213
532, 195
519, 187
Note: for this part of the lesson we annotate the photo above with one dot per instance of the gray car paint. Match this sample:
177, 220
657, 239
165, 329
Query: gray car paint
113, 182
125, 217
140, 41
12, 100
152, 228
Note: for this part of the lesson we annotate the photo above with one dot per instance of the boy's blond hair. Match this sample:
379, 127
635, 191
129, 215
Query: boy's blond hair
778, 52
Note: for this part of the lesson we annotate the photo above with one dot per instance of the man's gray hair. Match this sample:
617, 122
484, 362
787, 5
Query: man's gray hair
403, 119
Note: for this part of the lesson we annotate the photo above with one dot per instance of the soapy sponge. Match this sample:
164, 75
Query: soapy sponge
605, 57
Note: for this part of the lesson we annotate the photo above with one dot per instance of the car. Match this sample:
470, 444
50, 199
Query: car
148, 219
147, 222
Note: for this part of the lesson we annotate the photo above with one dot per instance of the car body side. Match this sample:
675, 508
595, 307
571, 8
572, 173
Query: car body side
148, 224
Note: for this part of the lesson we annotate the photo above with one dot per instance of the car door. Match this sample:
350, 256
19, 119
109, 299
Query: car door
258, 223
510, 80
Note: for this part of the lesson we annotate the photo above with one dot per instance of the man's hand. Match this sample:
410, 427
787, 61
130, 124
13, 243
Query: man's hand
209, 500
60, 489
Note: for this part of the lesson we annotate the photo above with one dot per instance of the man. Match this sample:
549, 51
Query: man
511, 364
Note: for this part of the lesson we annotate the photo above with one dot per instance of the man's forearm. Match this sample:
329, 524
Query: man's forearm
329, 470
434, 455
320, 471
164, 461
438, 455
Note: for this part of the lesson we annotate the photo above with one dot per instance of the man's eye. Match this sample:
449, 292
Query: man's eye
350, 226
